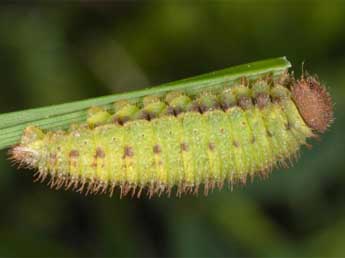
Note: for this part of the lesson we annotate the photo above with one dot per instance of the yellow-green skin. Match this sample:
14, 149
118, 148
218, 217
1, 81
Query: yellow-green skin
186, 151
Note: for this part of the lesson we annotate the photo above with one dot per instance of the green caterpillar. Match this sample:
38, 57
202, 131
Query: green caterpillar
181, 140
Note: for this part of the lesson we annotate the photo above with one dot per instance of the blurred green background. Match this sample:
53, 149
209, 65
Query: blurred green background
63, 52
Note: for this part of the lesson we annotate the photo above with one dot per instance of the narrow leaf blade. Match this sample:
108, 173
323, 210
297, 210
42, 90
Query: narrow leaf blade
61, 116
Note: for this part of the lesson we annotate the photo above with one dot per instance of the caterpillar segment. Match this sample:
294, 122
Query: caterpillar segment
181, 141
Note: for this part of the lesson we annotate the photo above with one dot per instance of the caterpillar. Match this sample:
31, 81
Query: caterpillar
183, 141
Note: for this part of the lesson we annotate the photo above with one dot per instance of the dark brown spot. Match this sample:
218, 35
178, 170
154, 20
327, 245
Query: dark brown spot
184, 146
121, 120
157, 149
177, 111
73, 154
253, 140
262, 99
144, 115
152, 115
269, 134
245, 102
227, 101
277, 100
314, 103
203, 108
226, 106
99, 153
236, 144
147, 115
171, 111
288, 126
222, 130
194, 107
128, 152
211, 146
174, 111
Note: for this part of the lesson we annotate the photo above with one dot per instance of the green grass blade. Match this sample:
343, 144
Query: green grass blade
61, 116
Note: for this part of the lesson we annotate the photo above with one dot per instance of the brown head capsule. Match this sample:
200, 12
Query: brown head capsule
313, 102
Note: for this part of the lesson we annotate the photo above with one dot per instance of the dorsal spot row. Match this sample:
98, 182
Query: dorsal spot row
260, 93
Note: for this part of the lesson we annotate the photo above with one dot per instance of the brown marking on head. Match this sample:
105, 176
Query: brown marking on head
313, 102
128, 152
100, 153
184, 146
157, 149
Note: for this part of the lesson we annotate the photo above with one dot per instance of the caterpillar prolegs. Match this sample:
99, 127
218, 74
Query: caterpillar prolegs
189, 142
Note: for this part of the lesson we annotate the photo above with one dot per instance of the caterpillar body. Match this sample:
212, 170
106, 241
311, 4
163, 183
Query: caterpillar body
180, 140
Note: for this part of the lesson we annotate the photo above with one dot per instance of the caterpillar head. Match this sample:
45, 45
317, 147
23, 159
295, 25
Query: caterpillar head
313, 102
26, 153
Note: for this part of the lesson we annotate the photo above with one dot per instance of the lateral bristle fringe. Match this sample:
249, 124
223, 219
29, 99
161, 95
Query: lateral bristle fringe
94, 186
